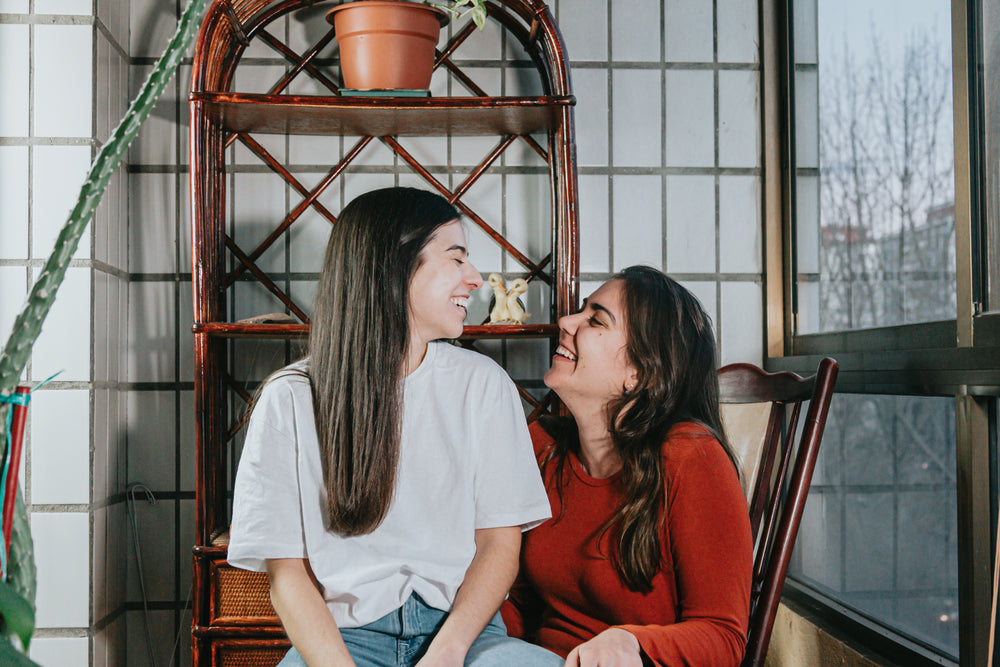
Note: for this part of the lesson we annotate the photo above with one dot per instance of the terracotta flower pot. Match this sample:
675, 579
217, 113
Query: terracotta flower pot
386, 44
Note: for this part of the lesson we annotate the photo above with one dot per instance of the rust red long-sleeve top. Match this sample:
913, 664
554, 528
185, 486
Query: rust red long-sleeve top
568, 591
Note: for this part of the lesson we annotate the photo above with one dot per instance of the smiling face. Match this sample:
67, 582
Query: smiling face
591, 366
440, 287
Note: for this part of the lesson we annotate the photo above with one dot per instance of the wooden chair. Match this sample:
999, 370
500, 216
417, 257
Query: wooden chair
760, 411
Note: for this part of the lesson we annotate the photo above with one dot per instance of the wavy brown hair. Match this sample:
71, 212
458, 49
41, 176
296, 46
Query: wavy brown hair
358, 341
669, 340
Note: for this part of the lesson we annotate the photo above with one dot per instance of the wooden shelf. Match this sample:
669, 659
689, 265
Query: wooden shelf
238, 330
383, 116
511, 331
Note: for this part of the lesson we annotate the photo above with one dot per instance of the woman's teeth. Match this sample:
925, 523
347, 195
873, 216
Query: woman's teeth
563, 352
461, 301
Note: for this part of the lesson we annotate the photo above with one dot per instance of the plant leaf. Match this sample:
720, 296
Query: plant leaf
21, 560
445, 8
11, 656
18, 614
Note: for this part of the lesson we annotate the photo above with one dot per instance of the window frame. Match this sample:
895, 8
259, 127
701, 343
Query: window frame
958, 358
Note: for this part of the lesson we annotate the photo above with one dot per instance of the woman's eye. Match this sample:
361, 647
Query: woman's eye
594, 321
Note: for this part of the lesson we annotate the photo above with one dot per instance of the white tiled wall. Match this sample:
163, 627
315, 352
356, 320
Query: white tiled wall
63, 72
668, 145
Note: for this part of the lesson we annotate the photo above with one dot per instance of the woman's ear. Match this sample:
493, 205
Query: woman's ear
631, 379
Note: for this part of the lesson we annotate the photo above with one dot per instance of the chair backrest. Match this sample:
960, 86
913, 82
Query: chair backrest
760, 412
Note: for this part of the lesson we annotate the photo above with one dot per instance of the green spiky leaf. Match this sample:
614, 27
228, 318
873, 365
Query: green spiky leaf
11, 656
18, 614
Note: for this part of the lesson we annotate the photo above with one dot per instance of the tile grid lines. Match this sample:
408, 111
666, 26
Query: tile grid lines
26, 483
76, 632
503, 169
179, 435
504, 67
109, 618
30, 221
112, 40
443, 169
83, 385
588, 276
46, 141
31, 18
155, 605
719, 323
60, 633
664, 222
684, 277
611, 139
95, 264
523, 64
504, 345
92, 394
287, 238
591, 275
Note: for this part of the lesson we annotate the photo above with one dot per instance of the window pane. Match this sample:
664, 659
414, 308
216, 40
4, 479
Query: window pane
875, 215
879, 533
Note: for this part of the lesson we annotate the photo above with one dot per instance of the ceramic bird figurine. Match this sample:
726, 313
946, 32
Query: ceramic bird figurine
499, 312
514, 308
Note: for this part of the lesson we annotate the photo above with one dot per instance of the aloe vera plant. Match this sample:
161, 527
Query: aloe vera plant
17, 594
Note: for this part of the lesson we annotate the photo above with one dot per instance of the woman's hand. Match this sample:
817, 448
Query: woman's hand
612, 648
438, 656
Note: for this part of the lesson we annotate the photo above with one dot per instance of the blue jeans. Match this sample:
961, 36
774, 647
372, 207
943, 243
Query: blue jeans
401, 637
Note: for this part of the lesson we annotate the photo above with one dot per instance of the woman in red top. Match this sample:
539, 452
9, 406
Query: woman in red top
649, 554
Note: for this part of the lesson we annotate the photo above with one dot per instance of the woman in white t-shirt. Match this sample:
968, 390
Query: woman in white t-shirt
386, 478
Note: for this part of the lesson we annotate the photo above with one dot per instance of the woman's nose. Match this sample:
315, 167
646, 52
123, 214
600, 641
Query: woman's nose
472, 276
569, 323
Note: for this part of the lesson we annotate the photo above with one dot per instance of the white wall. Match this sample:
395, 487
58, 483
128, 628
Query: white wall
64, 70
669, 154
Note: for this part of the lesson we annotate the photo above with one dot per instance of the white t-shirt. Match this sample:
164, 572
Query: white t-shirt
465, 463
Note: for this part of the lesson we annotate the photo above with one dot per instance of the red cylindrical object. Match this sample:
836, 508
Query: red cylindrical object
16, 444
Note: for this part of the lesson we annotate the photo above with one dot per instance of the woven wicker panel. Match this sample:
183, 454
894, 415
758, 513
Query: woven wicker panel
248, 656
241, 596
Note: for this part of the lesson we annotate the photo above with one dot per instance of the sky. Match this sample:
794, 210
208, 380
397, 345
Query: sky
892, 20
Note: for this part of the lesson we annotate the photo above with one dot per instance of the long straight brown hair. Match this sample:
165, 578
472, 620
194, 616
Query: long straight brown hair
358, 341
669, 340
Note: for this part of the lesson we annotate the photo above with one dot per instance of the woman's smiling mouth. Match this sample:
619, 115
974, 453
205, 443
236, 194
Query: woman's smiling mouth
563, 352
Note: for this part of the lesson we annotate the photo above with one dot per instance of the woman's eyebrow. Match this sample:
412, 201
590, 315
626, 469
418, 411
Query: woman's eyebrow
599, 307
461, 248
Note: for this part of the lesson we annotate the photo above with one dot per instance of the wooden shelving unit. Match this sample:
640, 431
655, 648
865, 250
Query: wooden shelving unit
232, 619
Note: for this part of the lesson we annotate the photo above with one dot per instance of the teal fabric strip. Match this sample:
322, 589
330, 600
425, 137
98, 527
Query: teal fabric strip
13, 399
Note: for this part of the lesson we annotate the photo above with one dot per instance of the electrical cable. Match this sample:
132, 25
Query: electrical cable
151, 499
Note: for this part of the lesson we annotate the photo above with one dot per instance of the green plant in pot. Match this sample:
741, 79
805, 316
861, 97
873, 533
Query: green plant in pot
389, 44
